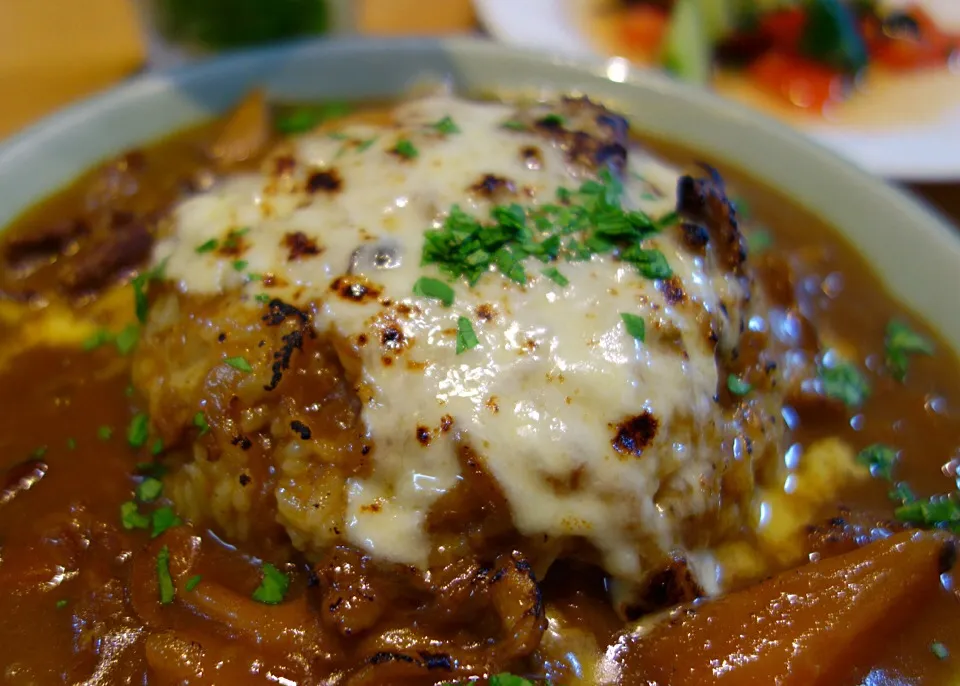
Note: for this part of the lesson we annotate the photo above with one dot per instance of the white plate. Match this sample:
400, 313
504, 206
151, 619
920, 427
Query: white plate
928, 151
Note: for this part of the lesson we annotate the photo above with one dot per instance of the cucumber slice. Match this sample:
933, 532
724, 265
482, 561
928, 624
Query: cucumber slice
687, 51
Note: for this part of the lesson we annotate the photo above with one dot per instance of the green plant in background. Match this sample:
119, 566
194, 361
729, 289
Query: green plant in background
224, 24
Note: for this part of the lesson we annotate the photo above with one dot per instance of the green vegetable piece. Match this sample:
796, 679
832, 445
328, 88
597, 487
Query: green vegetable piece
240, 265
844, 382
831, 36
104, 433
902, 493
192, 583
900, 342
71, 444
466, 337
96, 339
514, 125
554, 275
879, 458
425, 287
273, 586
406, 149
687, 52
759, 241
131, 518
239, 363
200, 421
509, 680
139, 430
635, 325
303, 118
939, 511
651, 263
939, 650
62, 603
446, 126
149, 490
738, 386
157, 446
163, 518
207, 246
127, 339
164, 580
262, 298
553, 120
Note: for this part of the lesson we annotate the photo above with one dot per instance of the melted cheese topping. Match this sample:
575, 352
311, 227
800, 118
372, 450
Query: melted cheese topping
555, 372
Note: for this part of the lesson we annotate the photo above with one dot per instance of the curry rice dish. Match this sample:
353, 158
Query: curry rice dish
449, 390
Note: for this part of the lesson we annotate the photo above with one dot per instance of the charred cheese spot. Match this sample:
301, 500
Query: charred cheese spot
635, 434
355, 288
324, 180
299, 245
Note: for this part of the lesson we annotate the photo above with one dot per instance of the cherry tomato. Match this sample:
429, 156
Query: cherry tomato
799, 81
642, 28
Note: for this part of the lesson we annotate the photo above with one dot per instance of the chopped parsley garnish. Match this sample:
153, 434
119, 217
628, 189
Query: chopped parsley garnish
240, 265
262, 298
37, 453
192, 583
139, 430
901, 341
239, 363
939, 511
208, 246
466, 337
128, 391
514, 125
426, 287
104, 433
273, 586
738, 386
554, 275
154, 469
406, 149
303, 118
759, 241
71, 444
233, 237
635, 325
157, 446
338, 136
508, 680
939, 650
879, 458
131, 518
141, 285
844, 382
163, 518
164, 580
200, 421
96, 339
589, 221
149, 490
127, 339
363, 146
62, 603
553, 120
446, 126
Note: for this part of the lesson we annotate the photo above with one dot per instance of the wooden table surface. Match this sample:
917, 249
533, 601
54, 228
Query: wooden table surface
53, 52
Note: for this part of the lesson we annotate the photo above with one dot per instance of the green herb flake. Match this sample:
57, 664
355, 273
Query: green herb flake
240, 265
446, 126
844, 382
939, 511
634, 325
139, 430
553, 120
508, 680
62, 603
406, 149
262, 298
104, 433
239, 363
514, 125
939, 650
131, 518
37, 453
163, 518
164, 580
141, 285
554, 275
157, 446
879, 459
149, 490
208, 246
902, 493
649, 262
127, 339
233, 237
153, 469
200, 421
738, 386
338, 136
71, 444
466, 337
900, 342
303, 118
96, 339
273, 586
425, 287
128, 391
759, 241
192, 583
363, 146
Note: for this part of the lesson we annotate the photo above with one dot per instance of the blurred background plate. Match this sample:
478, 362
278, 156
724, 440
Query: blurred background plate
908, 130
